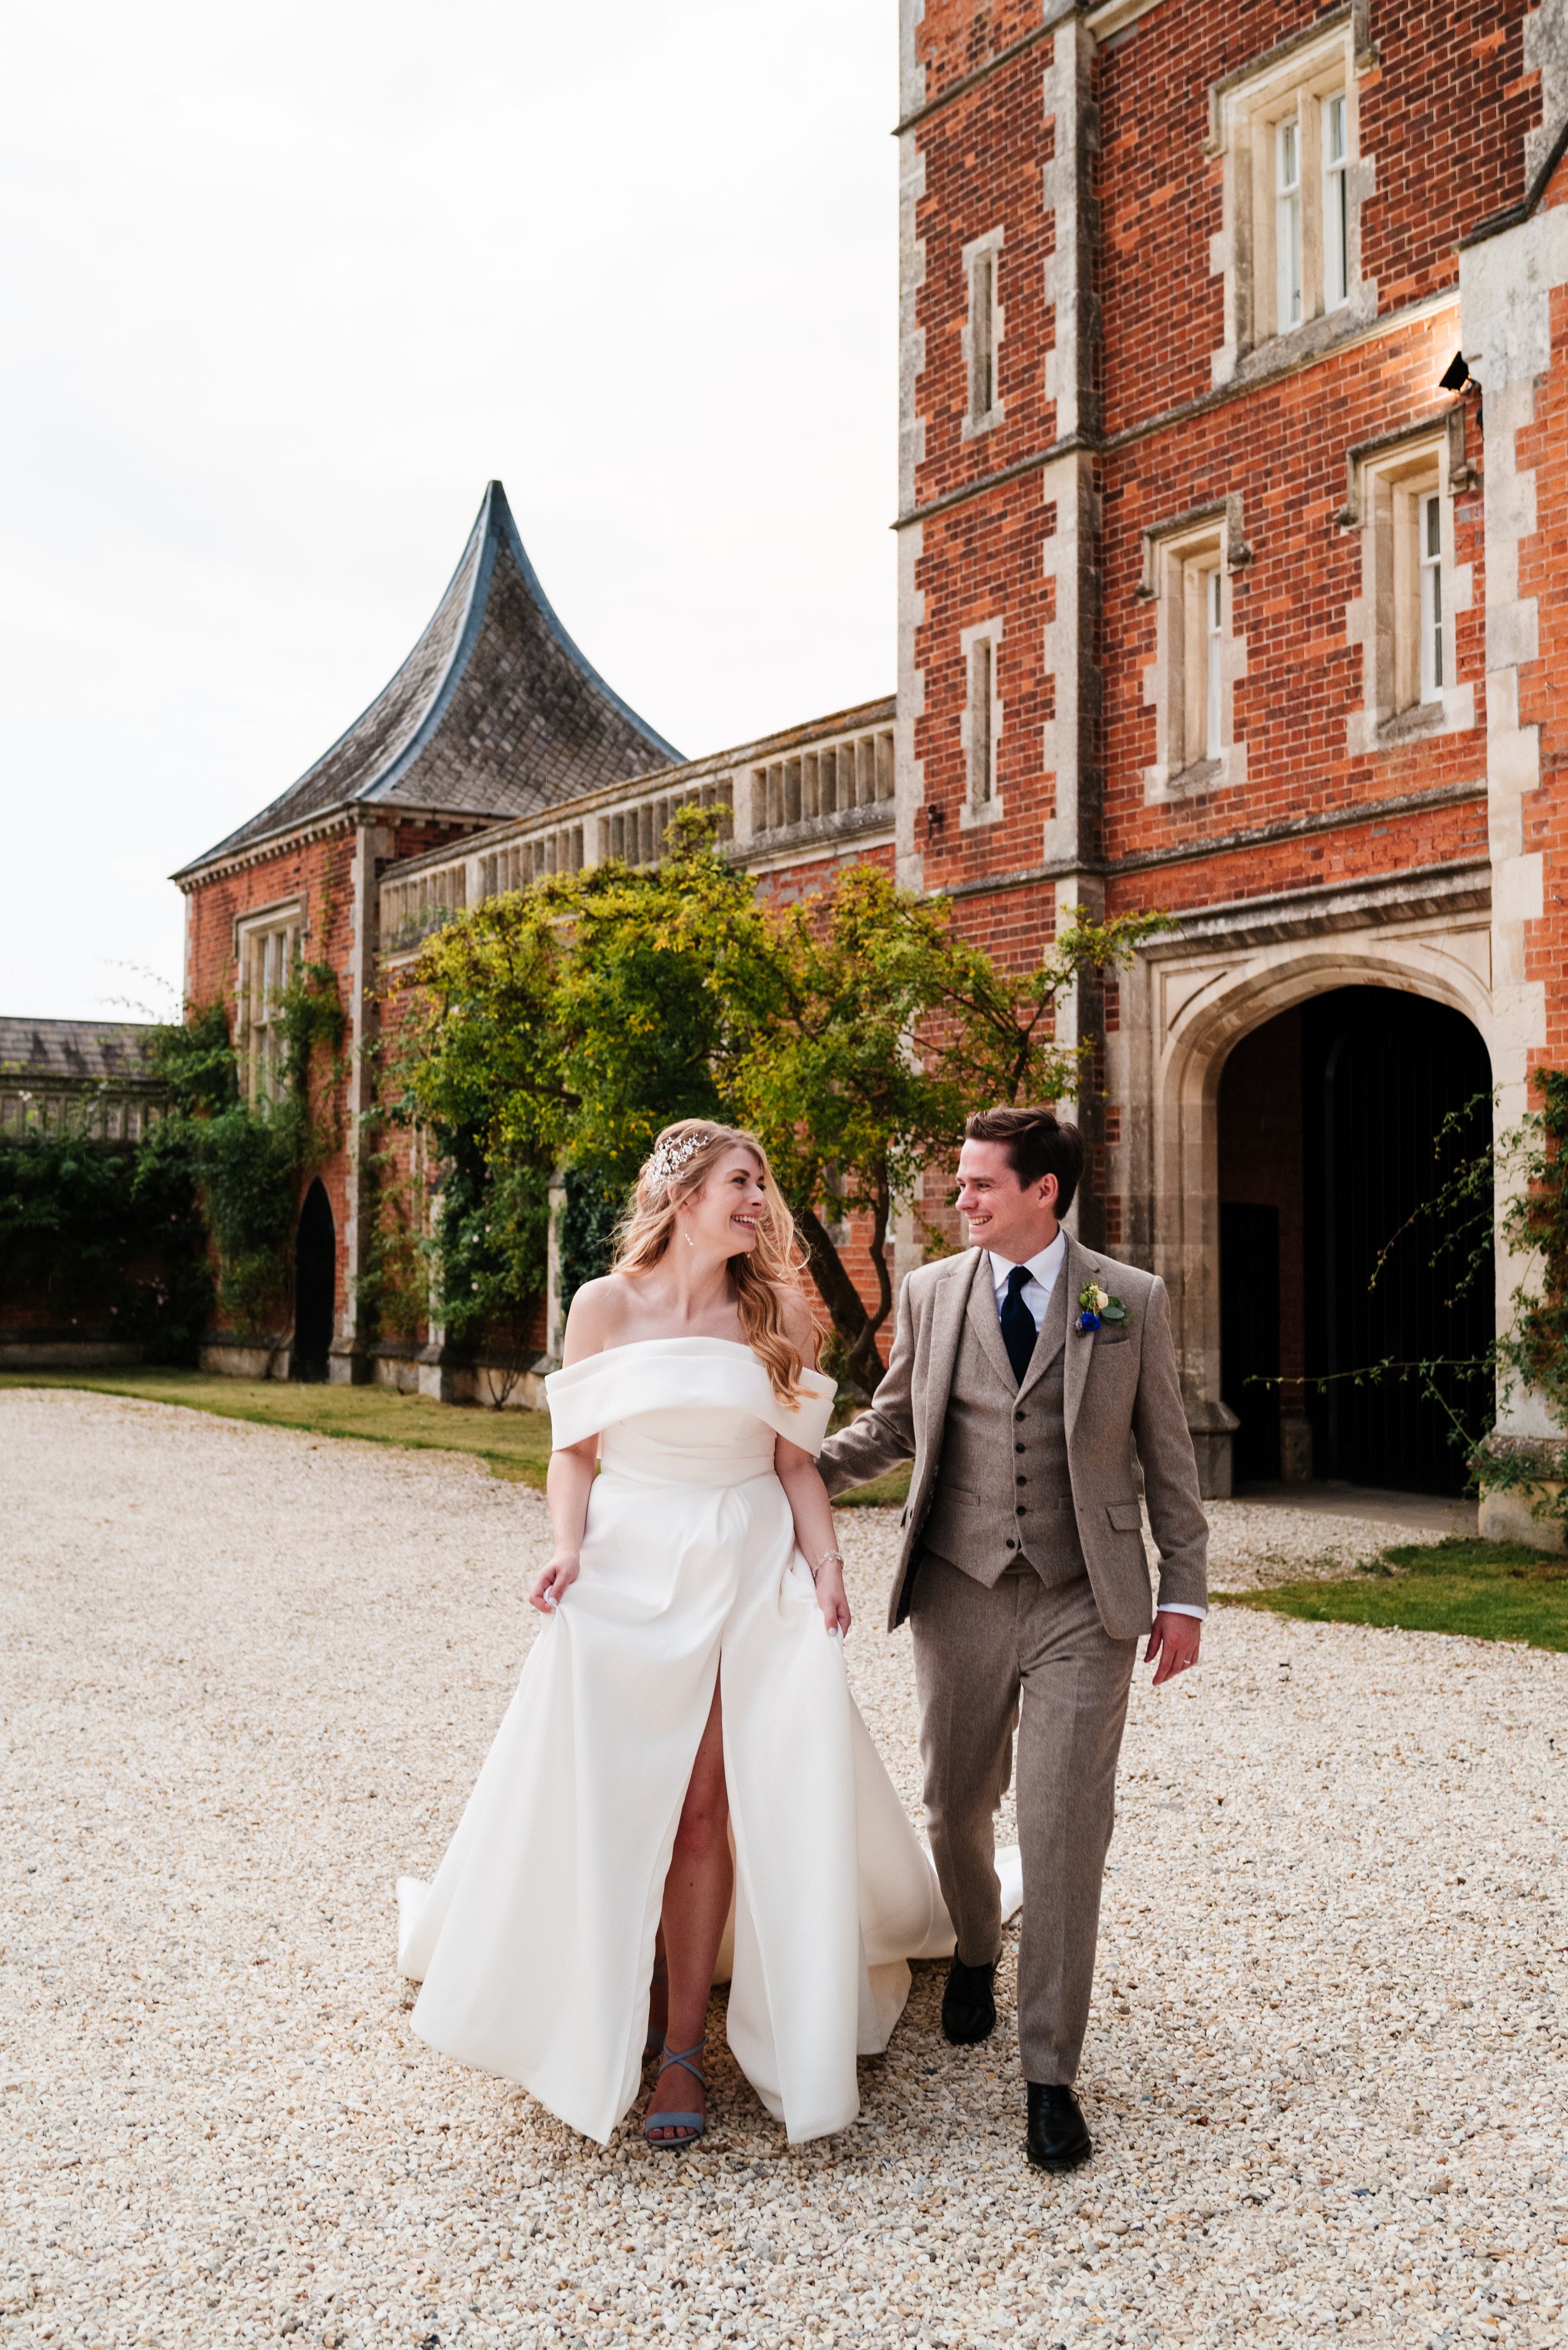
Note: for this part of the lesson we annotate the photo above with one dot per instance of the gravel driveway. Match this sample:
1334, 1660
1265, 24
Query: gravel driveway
248, 1676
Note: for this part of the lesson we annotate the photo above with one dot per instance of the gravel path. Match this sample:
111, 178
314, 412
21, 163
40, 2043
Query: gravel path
248, 1676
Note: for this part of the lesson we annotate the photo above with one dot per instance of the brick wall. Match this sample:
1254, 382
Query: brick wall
983, 155
1446, 112
1282, 452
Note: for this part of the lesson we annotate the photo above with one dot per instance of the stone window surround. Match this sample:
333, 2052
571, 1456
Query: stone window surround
256, 1039
975, 812
1424, 456
1324, 58
990, 244
1171, 550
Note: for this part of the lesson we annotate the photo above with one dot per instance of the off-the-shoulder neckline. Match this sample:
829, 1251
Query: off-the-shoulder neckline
630, 1346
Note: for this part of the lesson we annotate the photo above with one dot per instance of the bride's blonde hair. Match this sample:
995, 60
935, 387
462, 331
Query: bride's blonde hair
679, 1163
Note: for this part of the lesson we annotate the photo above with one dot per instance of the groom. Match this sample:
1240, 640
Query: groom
1024, 1374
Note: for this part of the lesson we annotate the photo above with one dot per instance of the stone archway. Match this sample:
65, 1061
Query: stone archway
1190, 1001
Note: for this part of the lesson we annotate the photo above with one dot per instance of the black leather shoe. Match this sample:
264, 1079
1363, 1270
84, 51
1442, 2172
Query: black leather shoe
969, 2009
1058, 2136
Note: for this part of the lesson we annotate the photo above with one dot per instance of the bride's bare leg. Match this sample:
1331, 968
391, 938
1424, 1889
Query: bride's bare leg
658, 1990
696, 1904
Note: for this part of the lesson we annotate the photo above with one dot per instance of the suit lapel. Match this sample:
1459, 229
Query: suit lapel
985, 1322
948, 1311
1078, 1268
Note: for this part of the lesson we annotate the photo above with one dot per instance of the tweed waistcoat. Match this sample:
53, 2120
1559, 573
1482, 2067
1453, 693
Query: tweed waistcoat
1003, 1492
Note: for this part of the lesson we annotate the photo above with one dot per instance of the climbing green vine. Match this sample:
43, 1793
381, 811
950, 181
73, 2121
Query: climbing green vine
1532, 1352
247, 1158
144, 1238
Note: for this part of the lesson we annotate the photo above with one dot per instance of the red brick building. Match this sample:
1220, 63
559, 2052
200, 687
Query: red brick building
1215, 597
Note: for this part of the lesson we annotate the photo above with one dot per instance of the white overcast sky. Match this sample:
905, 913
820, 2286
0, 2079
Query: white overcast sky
283, 288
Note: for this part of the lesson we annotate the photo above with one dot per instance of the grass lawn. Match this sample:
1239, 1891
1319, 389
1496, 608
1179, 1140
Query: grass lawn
1486, 1590
888, 1493
513, 1444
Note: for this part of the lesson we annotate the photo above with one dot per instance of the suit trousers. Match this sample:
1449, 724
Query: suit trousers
1030, 1657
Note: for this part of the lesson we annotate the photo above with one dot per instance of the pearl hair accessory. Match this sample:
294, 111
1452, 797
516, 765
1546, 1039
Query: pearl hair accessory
670, 1156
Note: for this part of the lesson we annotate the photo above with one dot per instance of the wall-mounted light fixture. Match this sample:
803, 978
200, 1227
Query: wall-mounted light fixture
1457, 377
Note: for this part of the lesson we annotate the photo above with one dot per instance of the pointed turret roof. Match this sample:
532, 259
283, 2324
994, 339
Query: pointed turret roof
494, 712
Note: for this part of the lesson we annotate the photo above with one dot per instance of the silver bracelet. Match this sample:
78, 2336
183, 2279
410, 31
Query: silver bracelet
830, 1557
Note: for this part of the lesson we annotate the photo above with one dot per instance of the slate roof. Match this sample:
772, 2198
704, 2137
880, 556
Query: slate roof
494, 712
77, 1052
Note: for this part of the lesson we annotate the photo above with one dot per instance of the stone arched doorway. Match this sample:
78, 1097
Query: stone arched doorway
315, 1285
1338, 1119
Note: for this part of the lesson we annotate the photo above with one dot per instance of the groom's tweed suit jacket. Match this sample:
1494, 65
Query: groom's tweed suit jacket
949, 1399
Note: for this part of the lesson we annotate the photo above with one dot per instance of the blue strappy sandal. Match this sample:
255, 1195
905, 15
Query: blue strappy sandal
695, 2124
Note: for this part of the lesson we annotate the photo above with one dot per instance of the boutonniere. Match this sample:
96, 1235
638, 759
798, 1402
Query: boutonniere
1098, 1306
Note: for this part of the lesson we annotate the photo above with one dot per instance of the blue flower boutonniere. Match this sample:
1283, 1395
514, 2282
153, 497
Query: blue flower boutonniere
1098, 1306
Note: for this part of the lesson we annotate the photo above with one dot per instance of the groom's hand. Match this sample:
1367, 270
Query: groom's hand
1175, 1640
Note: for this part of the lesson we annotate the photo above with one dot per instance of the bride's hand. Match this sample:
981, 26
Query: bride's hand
830, 1597
552, 1583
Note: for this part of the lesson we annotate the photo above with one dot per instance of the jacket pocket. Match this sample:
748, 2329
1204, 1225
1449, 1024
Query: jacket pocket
1125, 1516
949, 1522
1111, 1337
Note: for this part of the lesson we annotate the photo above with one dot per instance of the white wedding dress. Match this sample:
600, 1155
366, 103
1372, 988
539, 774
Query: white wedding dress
534, 1943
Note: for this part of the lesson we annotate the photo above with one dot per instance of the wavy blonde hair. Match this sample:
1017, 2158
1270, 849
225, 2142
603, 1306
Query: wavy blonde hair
762, 1276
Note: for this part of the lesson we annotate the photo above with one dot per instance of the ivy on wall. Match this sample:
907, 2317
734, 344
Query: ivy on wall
589, 1213
144, 1239
247, 1159
104, 1239
563, 1025
1532, 1355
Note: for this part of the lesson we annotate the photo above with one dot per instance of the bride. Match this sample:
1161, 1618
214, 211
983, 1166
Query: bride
682, 1787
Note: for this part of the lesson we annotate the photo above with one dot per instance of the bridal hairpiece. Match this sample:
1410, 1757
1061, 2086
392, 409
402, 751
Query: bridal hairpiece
670, 1156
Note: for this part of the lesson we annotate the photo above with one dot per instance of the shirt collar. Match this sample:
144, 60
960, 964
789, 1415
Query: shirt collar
1044, 1268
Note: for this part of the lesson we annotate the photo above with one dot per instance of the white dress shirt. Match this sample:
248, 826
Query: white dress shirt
1044, 1273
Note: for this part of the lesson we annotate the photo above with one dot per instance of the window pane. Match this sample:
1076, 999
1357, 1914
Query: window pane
1288, 210
980, 723
1212, 744
1334, 130
982, 335
1336, 204
1431, 544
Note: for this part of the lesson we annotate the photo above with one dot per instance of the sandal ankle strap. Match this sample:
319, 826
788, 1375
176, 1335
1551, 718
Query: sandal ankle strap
682, 2056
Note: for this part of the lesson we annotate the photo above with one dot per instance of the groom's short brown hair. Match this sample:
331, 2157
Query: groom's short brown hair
1038, 1143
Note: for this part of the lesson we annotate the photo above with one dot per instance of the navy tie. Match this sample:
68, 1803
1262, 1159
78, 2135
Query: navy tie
1018, 1331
